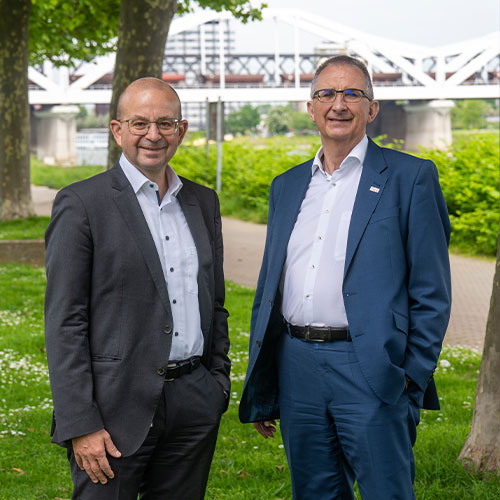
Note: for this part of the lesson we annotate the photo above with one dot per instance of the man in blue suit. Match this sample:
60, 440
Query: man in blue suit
352, 303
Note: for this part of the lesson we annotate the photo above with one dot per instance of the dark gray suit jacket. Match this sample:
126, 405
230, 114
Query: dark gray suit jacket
108, 321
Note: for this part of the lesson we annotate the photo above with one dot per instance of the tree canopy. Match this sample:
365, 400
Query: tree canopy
66, 32
242, 120
470, 114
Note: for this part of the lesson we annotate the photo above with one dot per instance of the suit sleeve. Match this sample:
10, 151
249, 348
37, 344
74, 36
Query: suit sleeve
220, 365
69, 263
429, 283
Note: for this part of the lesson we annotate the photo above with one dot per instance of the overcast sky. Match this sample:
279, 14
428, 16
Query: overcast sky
426, 22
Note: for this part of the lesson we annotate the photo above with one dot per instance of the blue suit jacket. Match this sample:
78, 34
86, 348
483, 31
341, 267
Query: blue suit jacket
396, 287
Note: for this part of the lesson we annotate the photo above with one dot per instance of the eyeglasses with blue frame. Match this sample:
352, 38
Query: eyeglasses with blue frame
348, 95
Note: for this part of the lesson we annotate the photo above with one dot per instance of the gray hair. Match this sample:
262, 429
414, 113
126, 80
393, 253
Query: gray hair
344, 60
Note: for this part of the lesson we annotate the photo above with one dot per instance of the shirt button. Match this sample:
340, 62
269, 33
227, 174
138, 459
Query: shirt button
174, 301
161, 372
167, 237
171, 269
176, 334
308, 296
167, 329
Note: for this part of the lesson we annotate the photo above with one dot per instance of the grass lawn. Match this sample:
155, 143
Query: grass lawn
56, 177
245, 466
31, 228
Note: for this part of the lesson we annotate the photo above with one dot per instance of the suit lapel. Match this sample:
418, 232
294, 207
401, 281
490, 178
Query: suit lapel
371, 186
129, 208
194, 218
286, 211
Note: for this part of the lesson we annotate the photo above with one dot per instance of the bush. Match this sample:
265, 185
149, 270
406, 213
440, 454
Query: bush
470, 178
249, 166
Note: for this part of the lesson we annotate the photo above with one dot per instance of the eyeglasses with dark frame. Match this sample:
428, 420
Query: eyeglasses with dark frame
165, 126
348, 95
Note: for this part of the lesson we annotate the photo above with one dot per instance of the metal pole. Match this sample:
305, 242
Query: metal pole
222, 62
218, 181
203, 50
207, 131
276, 54
296, 50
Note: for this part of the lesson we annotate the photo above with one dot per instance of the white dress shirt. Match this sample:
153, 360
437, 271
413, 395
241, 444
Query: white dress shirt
313, 273
178, 257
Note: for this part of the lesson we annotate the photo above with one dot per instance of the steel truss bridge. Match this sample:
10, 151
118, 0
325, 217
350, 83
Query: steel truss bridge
401, 71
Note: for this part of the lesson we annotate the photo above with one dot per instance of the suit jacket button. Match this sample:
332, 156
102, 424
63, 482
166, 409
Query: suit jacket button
168, 329
161, 371
258, 342
270, 302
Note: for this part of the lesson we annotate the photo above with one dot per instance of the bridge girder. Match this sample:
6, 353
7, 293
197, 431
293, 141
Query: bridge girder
446, 72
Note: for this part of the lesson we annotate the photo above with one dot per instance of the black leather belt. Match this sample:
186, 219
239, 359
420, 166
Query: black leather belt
176, 369
318, 333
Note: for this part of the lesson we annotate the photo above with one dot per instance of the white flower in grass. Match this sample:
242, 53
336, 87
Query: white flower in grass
444, 363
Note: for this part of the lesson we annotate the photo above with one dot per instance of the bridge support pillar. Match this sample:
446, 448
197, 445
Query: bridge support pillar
428, 124
56, 135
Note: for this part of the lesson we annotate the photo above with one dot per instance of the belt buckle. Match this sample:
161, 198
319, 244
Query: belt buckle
307, 335
172, 366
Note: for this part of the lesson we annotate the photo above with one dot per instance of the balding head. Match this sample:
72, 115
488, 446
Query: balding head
150, 103
144, 85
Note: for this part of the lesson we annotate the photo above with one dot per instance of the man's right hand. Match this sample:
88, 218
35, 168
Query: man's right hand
90, 455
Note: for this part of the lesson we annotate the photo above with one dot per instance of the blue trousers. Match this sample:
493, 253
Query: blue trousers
336, 430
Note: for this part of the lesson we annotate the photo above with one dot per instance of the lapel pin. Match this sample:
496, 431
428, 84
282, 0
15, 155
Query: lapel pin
374, 189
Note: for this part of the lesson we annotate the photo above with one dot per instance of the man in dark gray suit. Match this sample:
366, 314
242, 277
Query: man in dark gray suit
136, 329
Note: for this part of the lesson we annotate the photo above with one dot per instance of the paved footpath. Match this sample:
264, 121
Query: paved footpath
472, 279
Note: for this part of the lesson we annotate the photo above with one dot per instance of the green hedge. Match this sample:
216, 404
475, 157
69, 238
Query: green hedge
249, 166
469, 176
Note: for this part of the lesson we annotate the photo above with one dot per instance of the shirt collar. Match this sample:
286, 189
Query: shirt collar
358, 153
137, 179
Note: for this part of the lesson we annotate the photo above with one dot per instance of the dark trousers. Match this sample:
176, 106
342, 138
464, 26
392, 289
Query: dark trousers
174, 461
336, 430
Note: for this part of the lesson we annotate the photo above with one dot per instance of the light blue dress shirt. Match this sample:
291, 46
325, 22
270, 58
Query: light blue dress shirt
178, 257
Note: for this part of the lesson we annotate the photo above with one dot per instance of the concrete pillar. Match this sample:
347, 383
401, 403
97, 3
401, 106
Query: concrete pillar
56, 135
390, 122
428, 124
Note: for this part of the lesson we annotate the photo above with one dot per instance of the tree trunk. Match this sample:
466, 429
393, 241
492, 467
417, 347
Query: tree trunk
15, 193
482, 448
142, 34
